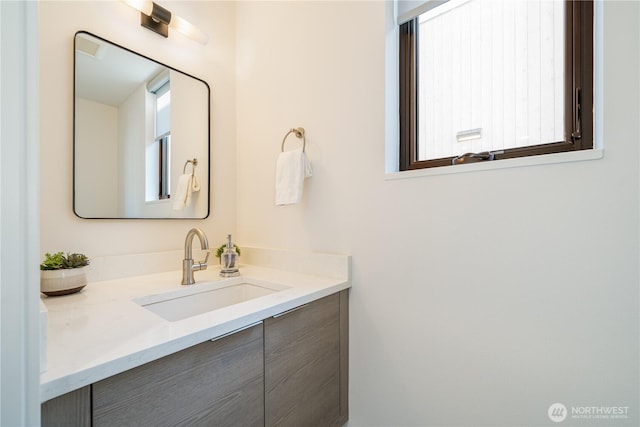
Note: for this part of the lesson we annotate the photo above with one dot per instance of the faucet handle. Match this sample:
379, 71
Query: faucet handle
206, 259
201, 265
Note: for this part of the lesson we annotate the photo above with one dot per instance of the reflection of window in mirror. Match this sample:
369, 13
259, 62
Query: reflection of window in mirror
163, 138
159, 160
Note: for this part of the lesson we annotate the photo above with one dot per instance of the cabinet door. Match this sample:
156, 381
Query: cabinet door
217, 383
69, 410
302, 366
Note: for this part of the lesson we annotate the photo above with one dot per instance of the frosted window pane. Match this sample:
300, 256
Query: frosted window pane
493, 67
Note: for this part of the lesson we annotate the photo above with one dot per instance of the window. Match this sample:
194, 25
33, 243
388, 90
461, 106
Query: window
158, 148
494, 79
163, 139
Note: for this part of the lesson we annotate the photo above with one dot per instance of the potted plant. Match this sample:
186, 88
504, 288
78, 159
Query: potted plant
63, 274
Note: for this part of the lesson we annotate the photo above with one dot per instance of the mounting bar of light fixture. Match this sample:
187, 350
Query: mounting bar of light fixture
158, 19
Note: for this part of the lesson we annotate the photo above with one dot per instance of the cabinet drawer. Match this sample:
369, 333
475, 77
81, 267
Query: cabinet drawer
302, 365
214, 383
69, 410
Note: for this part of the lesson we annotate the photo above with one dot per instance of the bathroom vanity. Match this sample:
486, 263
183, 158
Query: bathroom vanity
277, 359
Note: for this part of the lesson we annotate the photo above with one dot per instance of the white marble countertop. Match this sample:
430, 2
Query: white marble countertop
101, 331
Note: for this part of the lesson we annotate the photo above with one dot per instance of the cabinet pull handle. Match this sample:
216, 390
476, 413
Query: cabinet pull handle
275, 316
236, 330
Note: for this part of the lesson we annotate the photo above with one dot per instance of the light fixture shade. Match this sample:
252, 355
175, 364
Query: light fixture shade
156, 18
144, 6
188, 29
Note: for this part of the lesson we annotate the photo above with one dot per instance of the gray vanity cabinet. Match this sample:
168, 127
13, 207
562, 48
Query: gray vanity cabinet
290, 370
305, 352
69, 410
214, 383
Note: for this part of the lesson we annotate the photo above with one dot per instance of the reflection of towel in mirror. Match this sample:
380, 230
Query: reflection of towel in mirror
292, 167
187, 184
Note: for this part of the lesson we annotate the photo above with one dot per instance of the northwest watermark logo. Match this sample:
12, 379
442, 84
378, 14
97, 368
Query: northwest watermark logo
559, 412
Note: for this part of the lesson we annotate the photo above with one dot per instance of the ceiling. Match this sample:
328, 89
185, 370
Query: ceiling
107, 73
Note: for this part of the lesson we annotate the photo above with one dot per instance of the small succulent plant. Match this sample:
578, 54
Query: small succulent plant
60, 261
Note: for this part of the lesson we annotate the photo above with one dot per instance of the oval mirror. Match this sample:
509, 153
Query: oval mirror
141, 136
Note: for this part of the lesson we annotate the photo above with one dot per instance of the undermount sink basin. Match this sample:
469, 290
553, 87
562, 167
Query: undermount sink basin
199, 299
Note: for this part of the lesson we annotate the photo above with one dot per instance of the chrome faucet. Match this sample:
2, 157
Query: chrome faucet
188, 266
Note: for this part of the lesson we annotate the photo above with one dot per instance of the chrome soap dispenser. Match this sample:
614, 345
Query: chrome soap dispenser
229, 260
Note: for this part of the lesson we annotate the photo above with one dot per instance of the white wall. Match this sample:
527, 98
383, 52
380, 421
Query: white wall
97, 126
214, 63
134, 133
478, 298
186, 92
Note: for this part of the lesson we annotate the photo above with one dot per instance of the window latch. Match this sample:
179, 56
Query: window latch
473, 157
577, 114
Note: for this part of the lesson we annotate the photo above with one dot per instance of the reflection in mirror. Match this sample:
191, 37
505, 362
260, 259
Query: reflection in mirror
138, 127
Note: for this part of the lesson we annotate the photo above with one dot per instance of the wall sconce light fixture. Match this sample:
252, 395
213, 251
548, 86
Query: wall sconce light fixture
158, 19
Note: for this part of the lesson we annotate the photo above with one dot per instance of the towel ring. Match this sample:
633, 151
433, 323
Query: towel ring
193, 162
299, 133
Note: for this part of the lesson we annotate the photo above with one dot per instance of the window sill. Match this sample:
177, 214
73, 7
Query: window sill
156, 202
545, 159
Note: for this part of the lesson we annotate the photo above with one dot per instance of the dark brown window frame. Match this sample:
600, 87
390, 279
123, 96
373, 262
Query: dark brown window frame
578, 93
163, 166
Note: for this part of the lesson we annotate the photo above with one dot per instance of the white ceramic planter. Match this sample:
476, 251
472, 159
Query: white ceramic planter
62, 282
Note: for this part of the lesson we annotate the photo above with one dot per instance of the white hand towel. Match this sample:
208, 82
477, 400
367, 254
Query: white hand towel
292, 167
187, 183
